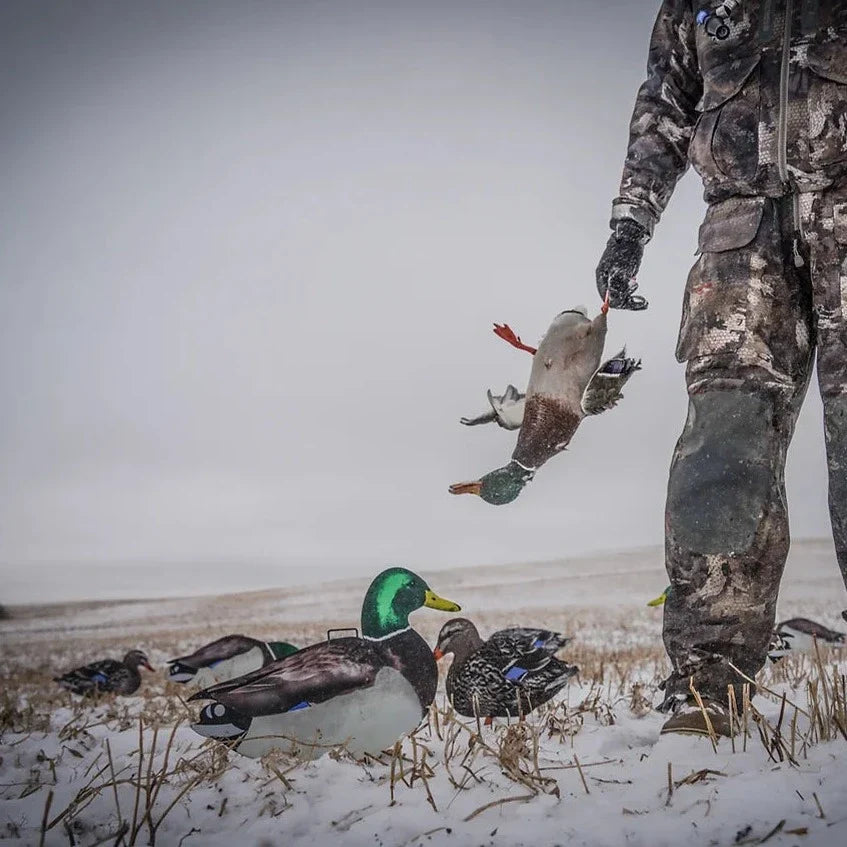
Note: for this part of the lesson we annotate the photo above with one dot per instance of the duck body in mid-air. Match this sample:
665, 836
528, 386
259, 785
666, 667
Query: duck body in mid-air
226, 658
362, 693
510, 675
106, 675
567, 382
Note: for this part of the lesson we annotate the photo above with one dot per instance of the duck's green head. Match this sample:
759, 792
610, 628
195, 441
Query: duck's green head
392, 597
281, 649
497, 487
660, 600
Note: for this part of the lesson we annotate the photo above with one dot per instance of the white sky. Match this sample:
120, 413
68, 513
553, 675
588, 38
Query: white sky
250, 255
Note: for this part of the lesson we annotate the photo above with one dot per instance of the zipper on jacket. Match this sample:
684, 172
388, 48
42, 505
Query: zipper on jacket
782, 124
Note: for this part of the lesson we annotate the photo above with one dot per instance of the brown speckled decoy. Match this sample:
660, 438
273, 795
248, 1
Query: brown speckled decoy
509, 675
107, 675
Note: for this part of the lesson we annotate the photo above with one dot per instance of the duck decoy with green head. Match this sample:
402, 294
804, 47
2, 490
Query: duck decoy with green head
509, 675
226, 658
566, 384
107, 675
363, 693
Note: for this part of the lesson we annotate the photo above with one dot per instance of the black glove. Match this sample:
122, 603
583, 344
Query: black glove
620, 263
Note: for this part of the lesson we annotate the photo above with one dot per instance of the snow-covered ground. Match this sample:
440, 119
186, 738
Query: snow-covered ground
591, 769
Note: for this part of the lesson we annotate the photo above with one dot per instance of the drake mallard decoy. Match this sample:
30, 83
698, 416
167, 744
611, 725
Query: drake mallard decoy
566, 384
226, 658
506, 410
509, 675
363, 692
106, 675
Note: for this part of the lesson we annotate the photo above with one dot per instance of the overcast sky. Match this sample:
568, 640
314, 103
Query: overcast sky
250, 255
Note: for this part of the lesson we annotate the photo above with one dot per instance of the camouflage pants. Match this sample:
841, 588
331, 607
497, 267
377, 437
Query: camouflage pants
767, 294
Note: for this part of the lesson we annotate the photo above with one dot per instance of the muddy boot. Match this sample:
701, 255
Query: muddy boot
689, 719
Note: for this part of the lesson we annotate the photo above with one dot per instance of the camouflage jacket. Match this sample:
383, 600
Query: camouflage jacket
760, 112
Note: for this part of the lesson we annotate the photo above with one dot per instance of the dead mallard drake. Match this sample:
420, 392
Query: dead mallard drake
567, 383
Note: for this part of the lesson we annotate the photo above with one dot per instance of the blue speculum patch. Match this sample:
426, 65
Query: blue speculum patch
539, 642
100, 677
301, 705
515, 674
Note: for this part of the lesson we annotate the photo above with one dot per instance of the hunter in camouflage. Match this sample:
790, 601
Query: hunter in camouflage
753, 94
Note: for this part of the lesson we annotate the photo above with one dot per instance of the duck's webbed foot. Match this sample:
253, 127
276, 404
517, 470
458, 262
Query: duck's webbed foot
604, 389
505, 332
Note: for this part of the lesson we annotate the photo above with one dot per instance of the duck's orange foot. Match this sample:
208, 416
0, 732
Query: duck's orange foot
605, 307
505, 332
488, 721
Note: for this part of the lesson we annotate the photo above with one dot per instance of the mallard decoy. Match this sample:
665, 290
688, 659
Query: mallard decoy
363, 692
509, 675
506, 410
106, 675
566, 384
226, 658
802, 633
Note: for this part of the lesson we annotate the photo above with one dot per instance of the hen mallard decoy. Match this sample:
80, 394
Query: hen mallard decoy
106, 675
363, 692
506, 410
225, 659
566, 384
509, 675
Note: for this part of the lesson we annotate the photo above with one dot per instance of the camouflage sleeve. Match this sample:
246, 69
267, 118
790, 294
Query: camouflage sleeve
663, 119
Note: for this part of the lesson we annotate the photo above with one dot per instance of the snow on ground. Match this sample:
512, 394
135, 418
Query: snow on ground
452, 783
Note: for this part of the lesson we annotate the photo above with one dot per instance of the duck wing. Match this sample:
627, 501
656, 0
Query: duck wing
604, 389
508, 408
314, 675
493, 683
218, 651
524, 639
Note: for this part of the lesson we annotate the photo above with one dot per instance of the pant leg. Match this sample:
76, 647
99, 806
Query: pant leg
825, 222
727, 531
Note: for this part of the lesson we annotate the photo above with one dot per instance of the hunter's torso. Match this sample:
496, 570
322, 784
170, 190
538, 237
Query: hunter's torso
773, 112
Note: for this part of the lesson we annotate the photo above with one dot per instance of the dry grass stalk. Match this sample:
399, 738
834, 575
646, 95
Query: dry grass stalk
712, 736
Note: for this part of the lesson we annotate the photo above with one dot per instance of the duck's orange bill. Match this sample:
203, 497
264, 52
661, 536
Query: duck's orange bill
439, 654
466, 488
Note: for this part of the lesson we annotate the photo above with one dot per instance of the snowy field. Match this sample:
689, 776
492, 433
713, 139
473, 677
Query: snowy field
590, 769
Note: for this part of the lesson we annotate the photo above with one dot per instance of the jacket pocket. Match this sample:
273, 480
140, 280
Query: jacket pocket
714, 308
827, 62
726, 138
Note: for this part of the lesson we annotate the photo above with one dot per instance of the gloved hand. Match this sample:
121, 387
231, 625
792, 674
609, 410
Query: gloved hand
620, 263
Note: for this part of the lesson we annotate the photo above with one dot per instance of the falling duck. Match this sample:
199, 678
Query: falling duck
566, 384
363, 692
225, 659
509, 675
107, 675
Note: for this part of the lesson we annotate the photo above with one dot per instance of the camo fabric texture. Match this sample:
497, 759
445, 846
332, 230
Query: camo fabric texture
716, 104
752, 323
